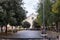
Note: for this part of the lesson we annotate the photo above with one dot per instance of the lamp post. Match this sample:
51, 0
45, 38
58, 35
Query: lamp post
44, 28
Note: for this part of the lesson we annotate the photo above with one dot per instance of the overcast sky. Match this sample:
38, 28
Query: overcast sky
30, 6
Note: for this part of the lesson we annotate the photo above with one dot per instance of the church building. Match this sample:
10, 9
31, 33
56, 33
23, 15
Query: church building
30, 19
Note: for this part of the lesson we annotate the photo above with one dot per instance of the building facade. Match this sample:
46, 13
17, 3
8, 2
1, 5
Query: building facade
30, 19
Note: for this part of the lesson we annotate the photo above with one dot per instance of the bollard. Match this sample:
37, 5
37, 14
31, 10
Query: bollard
57, 37
49, 38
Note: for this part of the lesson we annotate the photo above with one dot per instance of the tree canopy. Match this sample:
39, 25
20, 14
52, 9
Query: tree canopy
56, 11
51, 12
26, 24
47, 12
11, 12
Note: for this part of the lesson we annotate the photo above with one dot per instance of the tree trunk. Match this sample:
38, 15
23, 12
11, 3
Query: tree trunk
1, 29
57, 26
12, 29
6, 29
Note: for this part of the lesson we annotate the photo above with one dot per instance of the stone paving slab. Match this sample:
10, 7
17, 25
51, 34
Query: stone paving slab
31, 34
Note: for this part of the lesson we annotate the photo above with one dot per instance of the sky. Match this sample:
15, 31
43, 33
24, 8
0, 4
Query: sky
31, 6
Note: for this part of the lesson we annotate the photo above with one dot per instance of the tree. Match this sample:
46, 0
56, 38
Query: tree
39, 17
2, 15
26, 24
56, 11
49, 17
36, 25
14, 14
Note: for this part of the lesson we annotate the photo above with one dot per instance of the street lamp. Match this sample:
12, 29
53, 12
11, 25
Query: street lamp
44, 28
